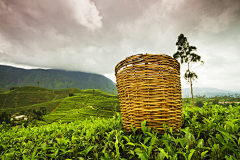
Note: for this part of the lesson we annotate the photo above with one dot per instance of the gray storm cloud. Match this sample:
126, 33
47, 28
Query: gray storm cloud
93, 36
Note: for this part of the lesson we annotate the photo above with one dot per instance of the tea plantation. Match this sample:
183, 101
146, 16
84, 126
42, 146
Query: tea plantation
206, 133
59, 105
86, 124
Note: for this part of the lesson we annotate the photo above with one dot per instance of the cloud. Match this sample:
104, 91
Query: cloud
93, 36
85, 13
220, 19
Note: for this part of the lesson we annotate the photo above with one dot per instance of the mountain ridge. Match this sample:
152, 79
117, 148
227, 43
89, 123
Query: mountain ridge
206, 91
53, 79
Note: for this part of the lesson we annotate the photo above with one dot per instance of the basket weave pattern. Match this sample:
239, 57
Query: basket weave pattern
149, 88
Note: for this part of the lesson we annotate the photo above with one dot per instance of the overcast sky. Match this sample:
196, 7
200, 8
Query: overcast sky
94, 35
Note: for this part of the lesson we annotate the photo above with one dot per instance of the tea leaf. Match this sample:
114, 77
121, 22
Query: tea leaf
191, 154
163, 152
203, 154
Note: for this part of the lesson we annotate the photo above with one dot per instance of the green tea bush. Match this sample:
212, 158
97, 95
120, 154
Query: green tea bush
71, 94
13, 88
199, 104
215, 101
5, 117
4, 127
206, 133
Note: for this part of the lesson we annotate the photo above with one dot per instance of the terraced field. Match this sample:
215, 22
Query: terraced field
58, 104
83, 105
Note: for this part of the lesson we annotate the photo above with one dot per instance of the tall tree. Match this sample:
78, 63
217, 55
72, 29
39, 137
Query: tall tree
43, 110
5, 117
186, 55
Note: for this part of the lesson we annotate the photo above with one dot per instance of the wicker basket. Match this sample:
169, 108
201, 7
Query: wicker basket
149, 88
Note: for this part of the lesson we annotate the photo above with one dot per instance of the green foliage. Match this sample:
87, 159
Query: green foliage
34, 97
13, 88
108, 105
34, 123
39, 115
84, 104
5, 117
71, 94
32, 114
199, 104
190, 76
2, 90
4, 127
206, 133
215, 101
43, 110
186, 54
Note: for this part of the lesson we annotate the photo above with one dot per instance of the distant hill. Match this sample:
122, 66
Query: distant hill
209, 92
53, 79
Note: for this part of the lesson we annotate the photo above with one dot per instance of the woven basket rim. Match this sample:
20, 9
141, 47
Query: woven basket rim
122, 64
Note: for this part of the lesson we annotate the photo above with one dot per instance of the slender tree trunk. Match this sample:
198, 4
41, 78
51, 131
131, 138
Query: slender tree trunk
191, 87
192, 92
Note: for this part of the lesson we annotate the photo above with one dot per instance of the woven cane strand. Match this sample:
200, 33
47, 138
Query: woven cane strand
149, 88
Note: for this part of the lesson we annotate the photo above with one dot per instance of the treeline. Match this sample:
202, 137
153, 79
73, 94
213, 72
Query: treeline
200, 102
225, 97
224, 100
32, 116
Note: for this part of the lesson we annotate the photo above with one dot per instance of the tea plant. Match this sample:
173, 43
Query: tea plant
206, 133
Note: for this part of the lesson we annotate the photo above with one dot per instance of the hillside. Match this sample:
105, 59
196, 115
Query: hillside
58, 104
20, 99
83, 105
53, 79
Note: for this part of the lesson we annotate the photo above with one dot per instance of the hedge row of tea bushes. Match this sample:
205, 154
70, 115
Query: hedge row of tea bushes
84, 104
207, 133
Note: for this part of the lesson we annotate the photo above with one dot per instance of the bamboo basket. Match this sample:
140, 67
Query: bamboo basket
149, 88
